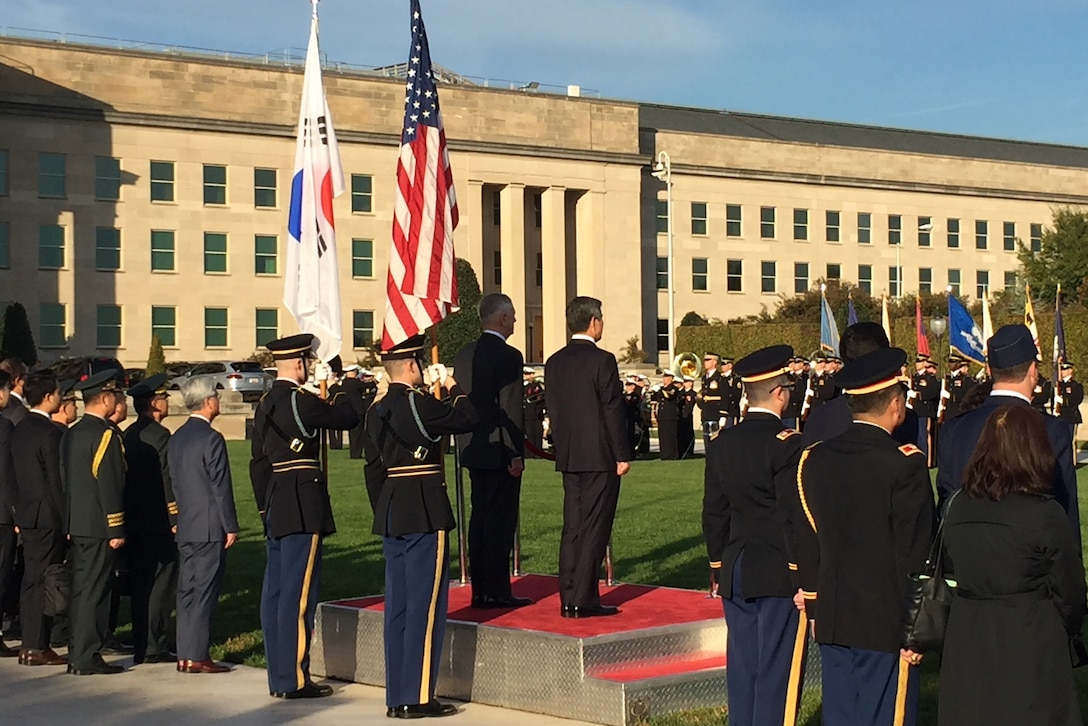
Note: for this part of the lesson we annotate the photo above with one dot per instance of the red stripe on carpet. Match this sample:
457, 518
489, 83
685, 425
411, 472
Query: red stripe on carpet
655, 668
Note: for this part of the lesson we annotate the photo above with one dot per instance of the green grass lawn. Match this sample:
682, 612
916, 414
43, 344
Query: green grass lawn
657, 539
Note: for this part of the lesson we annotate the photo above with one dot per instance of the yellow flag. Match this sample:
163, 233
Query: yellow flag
1029, 316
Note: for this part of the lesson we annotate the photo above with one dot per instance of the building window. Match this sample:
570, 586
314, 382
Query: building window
894, 283
1011, 280
268, 326
51, 181
834, 271
800, 277
662, 273
162, 250
215, 252
215, 184
925, 280
5, 245
1036, 237
540, 269
50, 247
51, 331
215, 327
496, 268
362, 328
4, 188
162, 181
362, 194
865, 228
1009, 236
699, 274
265, 254
767, 282
982, 234
832, 222
865, 278
982, 283
732, 220
108, 326
362, 258
662, 212
734, 275
698, 218
954, 281
163, 324
766, 222
895, 229
800, 224
264, 188
107, 248
662, 335
953, 233
925, 231
107, 179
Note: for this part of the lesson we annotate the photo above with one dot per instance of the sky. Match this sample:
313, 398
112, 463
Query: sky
1001, 68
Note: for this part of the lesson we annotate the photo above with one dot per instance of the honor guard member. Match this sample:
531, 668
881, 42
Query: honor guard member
361, 396
791, 417
93, 471
748, 504
1070, 396
959, 385
925, 395
293, 500
855, 561
405, 480
711, 396
667, 403
152, 513
1042, 395
732, 394
335, 388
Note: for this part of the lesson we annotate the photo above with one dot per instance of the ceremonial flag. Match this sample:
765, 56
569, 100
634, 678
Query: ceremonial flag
311, 284
421, 287
919, 329
851, 313
885, 320
987, 322
829, 329
964, 337
1029, 316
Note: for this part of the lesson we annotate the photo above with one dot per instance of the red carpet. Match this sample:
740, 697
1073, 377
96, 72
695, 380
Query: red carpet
641, 606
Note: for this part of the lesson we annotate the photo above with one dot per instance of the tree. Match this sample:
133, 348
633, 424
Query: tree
18, 341
1061, 259
461, 328
691, 318
632, 353
156, 359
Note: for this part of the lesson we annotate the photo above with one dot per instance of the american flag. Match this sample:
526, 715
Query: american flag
421, 288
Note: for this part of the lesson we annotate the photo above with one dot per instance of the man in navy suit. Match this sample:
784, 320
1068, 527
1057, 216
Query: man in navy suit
585, 403
206, 520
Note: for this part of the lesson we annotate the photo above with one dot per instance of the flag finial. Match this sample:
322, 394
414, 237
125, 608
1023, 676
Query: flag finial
314, 8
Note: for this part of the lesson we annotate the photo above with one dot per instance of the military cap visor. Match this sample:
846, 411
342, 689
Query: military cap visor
667, 374
711, 356
67, 390
1067, 366
293, 346
148, 387
98, 383
873, 372
764, 364
922, 358
1010, 346
407, 349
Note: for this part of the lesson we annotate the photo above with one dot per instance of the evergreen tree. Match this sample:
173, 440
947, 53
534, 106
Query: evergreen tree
156, 359
18, 340
463, 327
1061, 259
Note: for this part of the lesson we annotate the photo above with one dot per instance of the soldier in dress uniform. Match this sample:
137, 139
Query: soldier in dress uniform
731, 396
855, 561
748, 504
361, 396
711, 396
293, 500
925, 395
336, 388
686, 424
1042, 396
1070, 396
405, 480
791, 417
817, 383
824, 387
93, 470
667, 403
152, 512
534, 412
959, 384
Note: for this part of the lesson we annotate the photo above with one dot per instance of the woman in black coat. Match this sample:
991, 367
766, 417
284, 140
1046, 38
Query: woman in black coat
1021, 584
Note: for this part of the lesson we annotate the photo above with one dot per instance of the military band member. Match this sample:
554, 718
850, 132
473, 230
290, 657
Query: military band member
855, 561
1070, 396
1042, 396
686, 423
667, 405
632, 410
959, 384
748, 505
732, 393
293, 500
93, 469
405, 480
711, 396
925, 396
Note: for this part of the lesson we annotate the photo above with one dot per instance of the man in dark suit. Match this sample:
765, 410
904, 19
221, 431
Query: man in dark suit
207, 525
586, 408
7, 502
1070, 396
15, 410
490, 373
40, 512
1011, 360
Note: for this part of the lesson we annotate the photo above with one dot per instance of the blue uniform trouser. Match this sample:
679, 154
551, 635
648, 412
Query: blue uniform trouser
292, 579
416, 593
765, 650
868, 688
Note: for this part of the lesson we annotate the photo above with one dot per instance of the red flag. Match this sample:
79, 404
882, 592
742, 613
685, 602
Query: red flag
920, 330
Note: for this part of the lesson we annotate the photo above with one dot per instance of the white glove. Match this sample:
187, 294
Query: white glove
946, 394
1058, 399
912, 394
322, 372
437, 374
721, 422
655, 388
378, 377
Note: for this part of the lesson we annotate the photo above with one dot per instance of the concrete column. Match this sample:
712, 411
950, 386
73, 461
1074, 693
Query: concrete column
470, 245
512, 251
553, 247
590, 252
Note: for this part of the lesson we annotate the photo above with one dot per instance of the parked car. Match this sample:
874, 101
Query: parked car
245, 377
81, 368
135, 375
176, 370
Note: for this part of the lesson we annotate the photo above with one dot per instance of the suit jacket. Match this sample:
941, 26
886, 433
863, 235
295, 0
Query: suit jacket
200, 473
149, 495
490, 372
39, 500
585, 403
16, 410
7, 473
834, 417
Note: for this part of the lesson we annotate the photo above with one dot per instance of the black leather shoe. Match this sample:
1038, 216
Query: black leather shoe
114, 646
597, 611
487, 602
310, 690
431, 709
6, 652
156, 658
96, 669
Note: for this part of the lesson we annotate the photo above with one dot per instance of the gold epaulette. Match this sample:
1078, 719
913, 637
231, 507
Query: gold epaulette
100, 454
909, 449
786, 433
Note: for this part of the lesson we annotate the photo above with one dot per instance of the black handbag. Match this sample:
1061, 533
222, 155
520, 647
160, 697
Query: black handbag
929, 599
56, 589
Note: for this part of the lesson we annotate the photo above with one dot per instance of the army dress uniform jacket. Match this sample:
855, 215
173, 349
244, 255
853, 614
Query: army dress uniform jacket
749, 503
958, 388
1043, 395
797, 396
403, 442
285, 471
1072, 393
93, 471
928, 388
712, 396
149, 494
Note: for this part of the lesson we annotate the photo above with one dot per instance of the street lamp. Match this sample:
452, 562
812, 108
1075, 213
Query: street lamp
938, 326
663, 172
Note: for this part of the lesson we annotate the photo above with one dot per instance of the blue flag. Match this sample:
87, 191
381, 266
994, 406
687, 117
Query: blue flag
964, 336
829, 329
851, 313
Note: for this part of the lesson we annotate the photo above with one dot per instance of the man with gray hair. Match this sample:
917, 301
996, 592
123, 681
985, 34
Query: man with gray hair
207, 524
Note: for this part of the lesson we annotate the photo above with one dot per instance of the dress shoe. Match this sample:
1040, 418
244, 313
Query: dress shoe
155, 658
431, 709
99, 668
47, 657
310, 690
114, 646
6, 652
594, 611
201, 666
488, 602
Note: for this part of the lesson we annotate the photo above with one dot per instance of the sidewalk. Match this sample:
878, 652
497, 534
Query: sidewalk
159, 695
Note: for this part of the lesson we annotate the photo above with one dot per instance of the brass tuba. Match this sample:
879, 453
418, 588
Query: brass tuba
686, 365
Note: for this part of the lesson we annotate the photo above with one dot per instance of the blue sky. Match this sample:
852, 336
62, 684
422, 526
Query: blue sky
1005, 68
